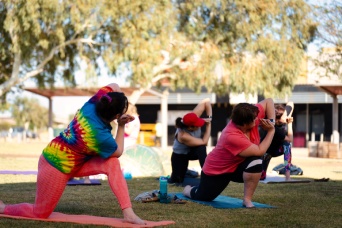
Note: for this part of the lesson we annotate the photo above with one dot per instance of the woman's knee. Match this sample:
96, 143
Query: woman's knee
254, 165
199, 195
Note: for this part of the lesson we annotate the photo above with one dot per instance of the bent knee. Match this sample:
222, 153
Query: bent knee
255, 166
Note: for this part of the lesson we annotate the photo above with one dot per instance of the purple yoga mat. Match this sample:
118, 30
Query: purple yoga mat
16, 172
74, 182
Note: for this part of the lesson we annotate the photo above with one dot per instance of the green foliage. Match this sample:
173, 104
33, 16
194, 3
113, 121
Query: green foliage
29, 111
329, 34
4, 126
227, 46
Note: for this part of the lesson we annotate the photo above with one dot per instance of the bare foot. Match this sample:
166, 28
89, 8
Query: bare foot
2, 207
287, 175
187, 190
248, 204
131, 217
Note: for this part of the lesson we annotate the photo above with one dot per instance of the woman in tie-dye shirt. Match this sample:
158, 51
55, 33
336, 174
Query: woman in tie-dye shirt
86, 147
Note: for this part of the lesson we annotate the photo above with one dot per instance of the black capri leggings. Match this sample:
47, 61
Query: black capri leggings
180, 162
212, 186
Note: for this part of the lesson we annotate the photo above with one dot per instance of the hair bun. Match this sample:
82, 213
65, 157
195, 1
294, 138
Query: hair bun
106, 97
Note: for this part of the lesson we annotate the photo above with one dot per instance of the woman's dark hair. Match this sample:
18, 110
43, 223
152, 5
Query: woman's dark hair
179, 123
111, 104
244, 113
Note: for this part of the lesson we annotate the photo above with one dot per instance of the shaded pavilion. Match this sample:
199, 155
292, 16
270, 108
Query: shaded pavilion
90, 91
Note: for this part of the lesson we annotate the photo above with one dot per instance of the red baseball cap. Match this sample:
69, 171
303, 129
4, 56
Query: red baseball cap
191, 119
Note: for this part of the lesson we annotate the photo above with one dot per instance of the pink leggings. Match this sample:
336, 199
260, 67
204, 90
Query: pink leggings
51, 184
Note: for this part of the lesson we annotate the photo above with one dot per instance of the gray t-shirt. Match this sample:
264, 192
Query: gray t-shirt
180, 148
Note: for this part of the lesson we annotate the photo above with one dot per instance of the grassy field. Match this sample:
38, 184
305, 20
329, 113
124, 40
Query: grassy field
315, 204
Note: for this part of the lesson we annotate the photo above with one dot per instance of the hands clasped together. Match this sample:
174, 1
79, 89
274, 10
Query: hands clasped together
125, 118
266, 124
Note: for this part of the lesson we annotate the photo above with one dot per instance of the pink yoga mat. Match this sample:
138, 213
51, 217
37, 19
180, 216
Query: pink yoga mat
89, 219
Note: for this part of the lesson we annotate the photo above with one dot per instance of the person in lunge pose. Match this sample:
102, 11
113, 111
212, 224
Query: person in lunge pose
132, 129
189, 143
283, 137
86, 147
237, 155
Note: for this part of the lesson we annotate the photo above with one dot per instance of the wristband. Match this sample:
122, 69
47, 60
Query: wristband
210, 117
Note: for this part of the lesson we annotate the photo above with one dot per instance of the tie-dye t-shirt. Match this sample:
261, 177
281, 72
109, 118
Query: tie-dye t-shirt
86, 136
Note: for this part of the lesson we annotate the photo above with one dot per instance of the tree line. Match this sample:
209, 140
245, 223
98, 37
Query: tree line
251, 47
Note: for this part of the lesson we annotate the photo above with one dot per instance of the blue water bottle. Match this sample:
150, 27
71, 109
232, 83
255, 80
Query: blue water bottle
127, 174
163, 189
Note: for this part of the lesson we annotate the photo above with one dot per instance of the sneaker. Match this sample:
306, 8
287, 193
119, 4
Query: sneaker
263, 175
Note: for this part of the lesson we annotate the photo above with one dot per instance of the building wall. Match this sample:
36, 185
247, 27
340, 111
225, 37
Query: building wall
221, 113
312, 121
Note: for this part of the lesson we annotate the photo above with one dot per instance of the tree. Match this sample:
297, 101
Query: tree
226, 46
29, 112
329, 38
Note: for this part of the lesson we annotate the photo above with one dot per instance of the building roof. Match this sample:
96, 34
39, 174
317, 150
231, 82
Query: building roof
332, 89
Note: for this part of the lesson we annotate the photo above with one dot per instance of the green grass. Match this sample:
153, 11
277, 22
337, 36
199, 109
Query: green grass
316, 204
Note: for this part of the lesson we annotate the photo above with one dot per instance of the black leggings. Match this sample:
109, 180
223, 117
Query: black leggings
212, 186
180, 162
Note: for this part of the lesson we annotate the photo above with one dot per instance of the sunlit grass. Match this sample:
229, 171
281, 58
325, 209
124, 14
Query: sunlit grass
315, 204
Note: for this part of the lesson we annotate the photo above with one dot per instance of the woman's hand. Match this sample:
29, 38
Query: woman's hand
207, 120
125, 118
289, 120
266, 124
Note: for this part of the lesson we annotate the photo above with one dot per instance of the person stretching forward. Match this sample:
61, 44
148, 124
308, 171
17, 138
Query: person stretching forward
86, 147
237, 155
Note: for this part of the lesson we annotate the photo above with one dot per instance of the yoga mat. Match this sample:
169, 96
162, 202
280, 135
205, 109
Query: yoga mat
16, 172
74, 182
223, 202
89, 219
191, 181
272, 179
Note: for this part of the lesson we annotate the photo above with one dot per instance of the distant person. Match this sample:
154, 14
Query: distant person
282, 140
86, 147
159, 133
237, 155
132, 129
189, 144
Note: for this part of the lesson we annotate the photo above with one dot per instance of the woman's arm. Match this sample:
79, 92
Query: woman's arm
189, 140
267, 125
289, 136
120, 134
268, 106
259, 150
115, 87
202, 106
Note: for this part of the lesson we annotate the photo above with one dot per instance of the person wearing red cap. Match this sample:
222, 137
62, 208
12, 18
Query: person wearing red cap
189, 143
237, 154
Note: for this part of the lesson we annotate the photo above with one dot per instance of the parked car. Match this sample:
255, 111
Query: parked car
19, 131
